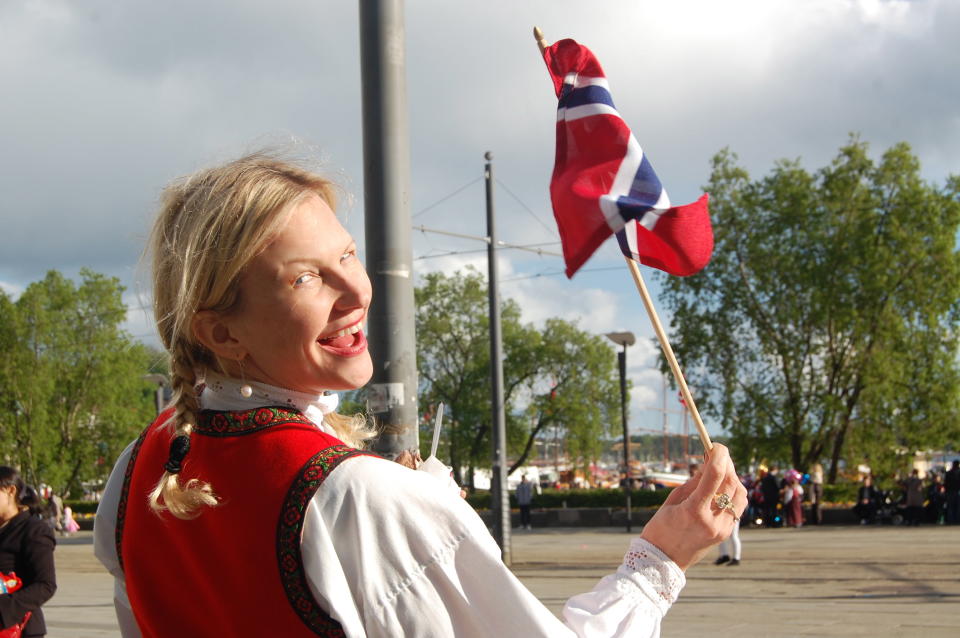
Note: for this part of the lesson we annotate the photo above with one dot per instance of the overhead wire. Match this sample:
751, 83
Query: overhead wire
446, 197
559, 272
551, 230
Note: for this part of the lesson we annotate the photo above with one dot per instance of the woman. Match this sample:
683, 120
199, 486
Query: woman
26, 549
263, 516
793, 499
816, 494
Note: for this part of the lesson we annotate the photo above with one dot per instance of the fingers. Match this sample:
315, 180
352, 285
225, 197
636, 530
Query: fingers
715, 470
680, 493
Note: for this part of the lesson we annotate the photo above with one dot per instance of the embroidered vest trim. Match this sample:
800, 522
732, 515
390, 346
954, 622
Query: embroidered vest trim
289, 531
216, 423
125, 493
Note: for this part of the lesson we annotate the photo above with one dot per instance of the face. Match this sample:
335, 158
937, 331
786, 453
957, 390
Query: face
303, 301
8, 502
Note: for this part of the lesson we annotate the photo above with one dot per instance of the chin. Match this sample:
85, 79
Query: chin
353, 379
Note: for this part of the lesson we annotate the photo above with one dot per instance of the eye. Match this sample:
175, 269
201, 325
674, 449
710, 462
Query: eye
350, 254
304, 278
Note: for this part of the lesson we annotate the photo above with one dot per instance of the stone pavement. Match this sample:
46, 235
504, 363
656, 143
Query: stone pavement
827, 581
812, 581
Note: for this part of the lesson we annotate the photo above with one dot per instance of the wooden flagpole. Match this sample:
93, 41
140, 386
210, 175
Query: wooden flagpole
655, 320
668, 352
541, 41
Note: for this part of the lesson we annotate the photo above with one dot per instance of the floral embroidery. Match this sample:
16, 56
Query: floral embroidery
212, 423
125, 492
662, 579
289, 529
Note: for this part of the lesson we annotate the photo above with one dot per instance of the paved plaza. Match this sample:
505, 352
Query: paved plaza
828, 581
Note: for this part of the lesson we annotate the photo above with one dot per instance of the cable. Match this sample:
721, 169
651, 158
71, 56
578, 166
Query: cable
551, 230
450, 254
446, 197
558, 272
500, 244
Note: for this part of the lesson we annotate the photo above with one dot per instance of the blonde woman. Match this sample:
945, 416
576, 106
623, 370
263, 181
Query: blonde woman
249, 508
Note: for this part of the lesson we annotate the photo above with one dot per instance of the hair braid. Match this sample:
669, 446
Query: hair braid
183, 501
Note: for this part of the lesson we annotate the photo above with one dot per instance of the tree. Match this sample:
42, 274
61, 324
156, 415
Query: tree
572, 384
558, 377
825, 325
71, 381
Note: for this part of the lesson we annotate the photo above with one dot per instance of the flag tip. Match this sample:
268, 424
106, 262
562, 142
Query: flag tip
541, 41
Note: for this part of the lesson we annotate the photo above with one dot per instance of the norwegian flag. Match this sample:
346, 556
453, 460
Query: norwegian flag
603, 183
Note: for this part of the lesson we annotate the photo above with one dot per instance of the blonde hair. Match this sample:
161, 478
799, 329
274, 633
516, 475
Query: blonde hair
211, 224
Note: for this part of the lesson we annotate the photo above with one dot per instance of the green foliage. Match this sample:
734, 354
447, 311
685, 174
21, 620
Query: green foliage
825, 325
840, 493
558, 379
72, 393
81, 507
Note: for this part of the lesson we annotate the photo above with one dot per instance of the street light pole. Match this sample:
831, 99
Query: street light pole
392, 390
499, 494
159, 394
624, 339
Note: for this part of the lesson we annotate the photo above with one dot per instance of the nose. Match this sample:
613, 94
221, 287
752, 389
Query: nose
355, 291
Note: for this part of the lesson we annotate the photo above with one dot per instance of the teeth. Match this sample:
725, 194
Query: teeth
347, 331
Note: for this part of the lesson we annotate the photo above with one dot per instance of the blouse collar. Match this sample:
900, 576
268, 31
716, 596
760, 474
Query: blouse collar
223, 394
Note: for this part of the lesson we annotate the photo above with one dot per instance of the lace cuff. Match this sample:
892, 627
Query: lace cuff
653, 571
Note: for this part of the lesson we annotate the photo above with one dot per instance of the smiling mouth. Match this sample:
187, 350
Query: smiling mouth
347, 342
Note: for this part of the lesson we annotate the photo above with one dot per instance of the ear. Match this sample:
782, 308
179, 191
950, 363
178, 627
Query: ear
210, 329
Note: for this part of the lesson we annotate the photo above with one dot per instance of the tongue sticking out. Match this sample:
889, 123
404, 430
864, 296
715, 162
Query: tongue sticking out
340, 342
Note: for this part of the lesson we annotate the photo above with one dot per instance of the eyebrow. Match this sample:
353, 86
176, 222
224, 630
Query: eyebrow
313, 260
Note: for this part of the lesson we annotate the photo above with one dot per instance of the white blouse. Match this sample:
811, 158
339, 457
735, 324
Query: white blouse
392, 552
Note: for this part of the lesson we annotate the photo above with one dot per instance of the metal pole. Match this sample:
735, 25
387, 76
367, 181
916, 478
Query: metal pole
622, 360
666, 449
392, 392
499, 495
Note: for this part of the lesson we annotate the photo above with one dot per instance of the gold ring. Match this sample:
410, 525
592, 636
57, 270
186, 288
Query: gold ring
724, 502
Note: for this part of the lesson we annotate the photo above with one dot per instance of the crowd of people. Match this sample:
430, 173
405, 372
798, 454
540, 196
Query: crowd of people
778, 500
934, 498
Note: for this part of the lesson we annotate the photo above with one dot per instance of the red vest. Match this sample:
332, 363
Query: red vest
236, 569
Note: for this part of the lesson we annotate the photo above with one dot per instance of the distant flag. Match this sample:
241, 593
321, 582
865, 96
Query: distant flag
602, 181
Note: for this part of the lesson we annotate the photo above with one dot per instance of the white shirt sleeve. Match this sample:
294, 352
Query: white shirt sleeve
389, 552
105, 546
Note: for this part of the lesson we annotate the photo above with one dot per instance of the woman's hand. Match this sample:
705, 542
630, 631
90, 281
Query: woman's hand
409, 459
689, 522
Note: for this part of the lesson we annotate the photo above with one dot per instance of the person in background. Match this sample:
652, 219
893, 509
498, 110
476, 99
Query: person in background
816, 494
913, 488
26, 549
793, 499
730, 549
951, 486
70, 524
524, 499
868, 500
936, 500
770, 488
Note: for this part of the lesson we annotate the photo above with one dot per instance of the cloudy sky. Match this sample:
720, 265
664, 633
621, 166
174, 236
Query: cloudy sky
103, 102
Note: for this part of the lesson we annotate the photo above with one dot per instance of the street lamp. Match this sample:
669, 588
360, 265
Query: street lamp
162, 382
624, 339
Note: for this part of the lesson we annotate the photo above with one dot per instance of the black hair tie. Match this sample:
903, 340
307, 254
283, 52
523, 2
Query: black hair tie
179, 447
